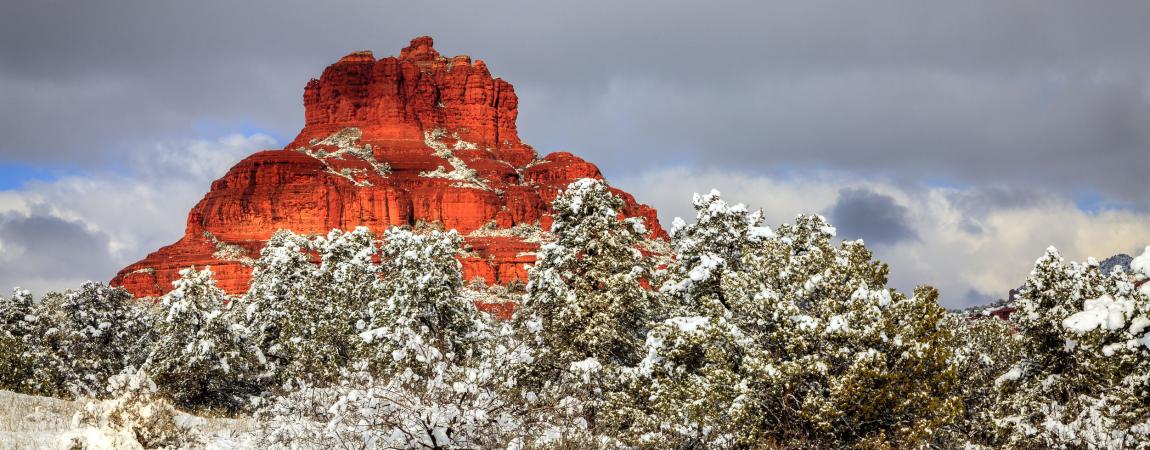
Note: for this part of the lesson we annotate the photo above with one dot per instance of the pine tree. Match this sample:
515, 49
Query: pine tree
201, 357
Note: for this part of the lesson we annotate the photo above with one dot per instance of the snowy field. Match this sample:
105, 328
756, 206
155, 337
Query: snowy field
30, 422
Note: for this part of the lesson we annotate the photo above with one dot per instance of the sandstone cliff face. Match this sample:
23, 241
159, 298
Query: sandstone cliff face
419, 139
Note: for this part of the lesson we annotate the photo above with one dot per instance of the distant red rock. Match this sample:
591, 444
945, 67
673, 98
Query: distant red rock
418, 139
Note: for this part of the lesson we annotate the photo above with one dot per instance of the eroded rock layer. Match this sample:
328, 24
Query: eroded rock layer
419, 139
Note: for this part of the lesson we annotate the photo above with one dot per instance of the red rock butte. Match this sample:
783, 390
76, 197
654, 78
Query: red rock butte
419, 140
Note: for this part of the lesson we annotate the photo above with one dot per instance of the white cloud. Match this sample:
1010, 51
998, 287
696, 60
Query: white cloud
976, 239
124, 214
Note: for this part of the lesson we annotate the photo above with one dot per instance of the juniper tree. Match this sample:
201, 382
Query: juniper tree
695, 387
985, 348
434, 375
1082, 382
306, 314
279, 279
201, 357
319, 333
585, 296
80, 338
712, 247
585, 313
830, 357
15, 316
419, 307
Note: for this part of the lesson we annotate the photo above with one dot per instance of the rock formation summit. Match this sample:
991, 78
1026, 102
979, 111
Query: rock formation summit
420, 140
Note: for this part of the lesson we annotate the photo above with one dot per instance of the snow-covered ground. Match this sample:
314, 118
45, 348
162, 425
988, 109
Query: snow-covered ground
30, 422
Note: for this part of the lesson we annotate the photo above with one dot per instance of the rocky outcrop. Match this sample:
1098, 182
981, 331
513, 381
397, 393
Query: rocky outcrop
419, 139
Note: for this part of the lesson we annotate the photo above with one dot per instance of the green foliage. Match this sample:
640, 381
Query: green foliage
985, 349
585, 298
80, 338
279, 280
585, 315
201, 357
305, 315
1084, 378
434, 374
821, 354
15, 313
747, 337
696, 386
420, 307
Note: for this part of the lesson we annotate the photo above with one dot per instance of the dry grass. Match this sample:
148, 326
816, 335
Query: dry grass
31, 422
28, 422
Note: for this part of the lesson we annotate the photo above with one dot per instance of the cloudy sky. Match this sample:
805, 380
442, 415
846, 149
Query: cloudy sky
959, 138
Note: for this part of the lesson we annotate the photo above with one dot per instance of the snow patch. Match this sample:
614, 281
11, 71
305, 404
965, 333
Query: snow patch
1104, 312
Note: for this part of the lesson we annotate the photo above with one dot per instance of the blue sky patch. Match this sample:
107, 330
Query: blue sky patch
15, 175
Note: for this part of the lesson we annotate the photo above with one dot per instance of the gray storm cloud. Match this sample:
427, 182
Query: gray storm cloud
36, 247
1022, 105
1030, 93
874, 217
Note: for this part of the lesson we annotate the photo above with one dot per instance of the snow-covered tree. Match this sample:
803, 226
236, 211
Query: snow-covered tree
319, 334
306, 316
201, 357
84, 336
279, 278
420, 302
585, 296
1084, 379
826, 355
586, 311
695, 387
435, 375
15, 315
713, 246
452, 401
985, 348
